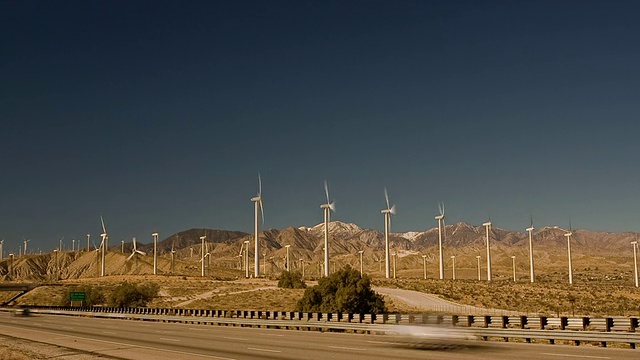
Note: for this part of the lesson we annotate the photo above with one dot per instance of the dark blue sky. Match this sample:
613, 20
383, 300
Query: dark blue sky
159, 114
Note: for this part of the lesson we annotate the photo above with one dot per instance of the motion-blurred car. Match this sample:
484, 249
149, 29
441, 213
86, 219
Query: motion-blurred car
431, 336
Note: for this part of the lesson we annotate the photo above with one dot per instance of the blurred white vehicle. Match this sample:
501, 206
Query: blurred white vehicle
430, 336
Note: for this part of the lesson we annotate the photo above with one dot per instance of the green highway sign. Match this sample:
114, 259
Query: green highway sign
77, 296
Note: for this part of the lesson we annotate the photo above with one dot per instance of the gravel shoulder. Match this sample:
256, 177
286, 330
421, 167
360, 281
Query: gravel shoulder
21, 349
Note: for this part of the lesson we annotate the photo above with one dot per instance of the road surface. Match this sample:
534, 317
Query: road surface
141, 340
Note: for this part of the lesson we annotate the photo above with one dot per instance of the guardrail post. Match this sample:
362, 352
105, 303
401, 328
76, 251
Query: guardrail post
563, 322
543, 322
469, 320
487, 321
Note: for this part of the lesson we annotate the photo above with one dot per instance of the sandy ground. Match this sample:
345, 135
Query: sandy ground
217, 293
429, 302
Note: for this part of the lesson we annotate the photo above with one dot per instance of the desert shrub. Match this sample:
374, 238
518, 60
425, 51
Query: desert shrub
132, 295
291, 280
94, 296
343, 291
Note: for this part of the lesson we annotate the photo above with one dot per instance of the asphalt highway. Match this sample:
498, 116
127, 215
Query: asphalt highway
141, 340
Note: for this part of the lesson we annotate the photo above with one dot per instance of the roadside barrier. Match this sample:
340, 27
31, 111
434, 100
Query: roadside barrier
575, 329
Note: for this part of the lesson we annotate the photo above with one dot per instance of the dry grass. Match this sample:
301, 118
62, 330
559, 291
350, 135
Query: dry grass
550, 298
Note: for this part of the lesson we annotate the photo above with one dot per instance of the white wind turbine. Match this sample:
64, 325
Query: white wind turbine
103, 246
487, 226
257, 200
390, 210
1, 249
206, 256
530, 231
202, 254
155, 253
568, 236
135, 251
327, 209
441, 226
173, 251
26, 241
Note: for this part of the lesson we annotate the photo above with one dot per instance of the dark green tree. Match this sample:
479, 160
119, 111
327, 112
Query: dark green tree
291, 280
132, 295
343, 291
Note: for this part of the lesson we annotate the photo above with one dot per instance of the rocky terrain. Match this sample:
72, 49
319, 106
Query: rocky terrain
596, 255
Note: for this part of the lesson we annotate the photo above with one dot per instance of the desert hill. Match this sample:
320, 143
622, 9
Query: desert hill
609, 254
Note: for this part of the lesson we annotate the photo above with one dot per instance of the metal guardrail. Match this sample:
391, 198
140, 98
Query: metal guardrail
485, 327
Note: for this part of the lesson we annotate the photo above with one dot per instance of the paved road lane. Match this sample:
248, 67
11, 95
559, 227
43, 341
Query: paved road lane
151, 340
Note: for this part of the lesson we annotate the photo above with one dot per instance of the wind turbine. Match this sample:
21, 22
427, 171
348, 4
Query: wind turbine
487, 226
327, 208
390, 210
103, 246
88, 237
241, 255
530, 231
568, 236
1, 249
440, 219
202, 254
257, 200
155, 253
173, 251
206, 256
135, 251
26, 241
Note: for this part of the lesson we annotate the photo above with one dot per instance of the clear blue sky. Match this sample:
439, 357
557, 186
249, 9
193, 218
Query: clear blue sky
159, 115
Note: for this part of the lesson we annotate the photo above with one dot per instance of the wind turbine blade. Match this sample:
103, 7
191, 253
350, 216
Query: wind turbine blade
141, 253
386, 196
393, 210
332, 206
259, 185
130, 256
326, 190
261, 210
134, 244
104, 229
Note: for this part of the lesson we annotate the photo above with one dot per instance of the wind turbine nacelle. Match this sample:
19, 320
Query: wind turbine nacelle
439, 217
487, 224
256, 198
529, 229
568, 234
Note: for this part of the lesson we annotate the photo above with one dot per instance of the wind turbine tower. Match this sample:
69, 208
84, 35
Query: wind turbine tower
390, 210
25, 246
103, 246
530, 231
327, 208
155, 253
1, 249
202, 254
568, 236
487, 226
257, 200
88, 237
440, 219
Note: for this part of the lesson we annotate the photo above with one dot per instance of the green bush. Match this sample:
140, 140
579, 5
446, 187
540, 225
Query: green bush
132, 295
291, 280
94, 296
344, 291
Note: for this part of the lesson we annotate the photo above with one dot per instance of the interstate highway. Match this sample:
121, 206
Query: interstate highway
151, 340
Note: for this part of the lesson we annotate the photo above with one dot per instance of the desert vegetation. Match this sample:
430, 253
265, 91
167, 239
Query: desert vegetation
344, 291
291, 280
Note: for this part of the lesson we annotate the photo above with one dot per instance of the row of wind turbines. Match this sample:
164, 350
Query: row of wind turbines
327, 208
